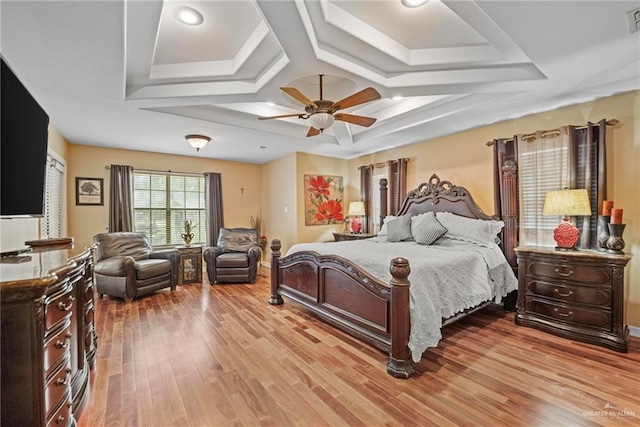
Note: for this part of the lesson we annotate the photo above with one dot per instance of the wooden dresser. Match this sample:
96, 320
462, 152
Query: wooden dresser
48, 338
574, 294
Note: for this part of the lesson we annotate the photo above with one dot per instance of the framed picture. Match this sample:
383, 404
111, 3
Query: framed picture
323, 202
89, 191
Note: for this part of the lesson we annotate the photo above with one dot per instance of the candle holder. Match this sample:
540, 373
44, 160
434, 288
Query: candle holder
615, 242
603, 232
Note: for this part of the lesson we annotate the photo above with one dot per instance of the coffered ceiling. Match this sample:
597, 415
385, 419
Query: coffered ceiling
130, 75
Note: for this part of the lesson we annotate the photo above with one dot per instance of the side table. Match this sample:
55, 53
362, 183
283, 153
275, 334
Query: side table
190, 270
341, 237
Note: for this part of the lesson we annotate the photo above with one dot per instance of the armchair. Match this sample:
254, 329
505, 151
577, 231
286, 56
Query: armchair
127, 266
235, 258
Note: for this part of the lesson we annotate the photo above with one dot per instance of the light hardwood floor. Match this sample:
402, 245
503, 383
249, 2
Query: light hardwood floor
220, 355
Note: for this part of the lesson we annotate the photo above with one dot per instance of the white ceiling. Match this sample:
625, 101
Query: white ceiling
129, 75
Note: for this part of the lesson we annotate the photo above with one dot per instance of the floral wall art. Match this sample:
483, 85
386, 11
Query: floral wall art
323, 199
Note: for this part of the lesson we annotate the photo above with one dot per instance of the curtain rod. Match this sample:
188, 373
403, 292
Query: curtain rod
383, 164
546, 133
108, 167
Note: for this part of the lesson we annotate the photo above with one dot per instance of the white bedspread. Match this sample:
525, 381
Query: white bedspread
446, 278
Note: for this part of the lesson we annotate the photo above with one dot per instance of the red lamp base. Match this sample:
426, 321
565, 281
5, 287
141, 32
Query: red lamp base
566, 235
356, 225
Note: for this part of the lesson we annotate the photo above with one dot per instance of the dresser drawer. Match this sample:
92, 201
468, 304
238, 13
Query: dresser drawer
57, 387
577, 273
58, 306
56, 346
600, 296
567, 313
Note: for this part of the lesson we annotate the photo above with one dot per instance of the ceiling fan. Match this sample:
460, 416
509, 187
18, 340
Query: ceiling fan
322, 113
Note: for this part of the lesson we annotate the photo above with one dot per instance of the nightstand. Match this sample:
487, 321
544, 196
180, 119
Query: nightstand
190, 268
574, 294
341, 237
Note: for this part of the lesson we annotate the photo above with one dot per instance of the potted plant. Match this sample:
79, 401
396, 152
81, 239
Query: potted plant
256, 222
187, 236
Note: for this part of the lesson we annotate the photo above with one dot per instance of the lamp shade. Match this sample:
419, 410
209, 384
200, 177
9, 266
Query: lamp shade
321, 121
197, 141
567, 203
356, 209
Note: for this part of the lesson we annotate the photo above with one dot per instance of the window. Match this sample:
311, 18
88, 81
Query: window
51, 225
378, 174
543, 167
163, 201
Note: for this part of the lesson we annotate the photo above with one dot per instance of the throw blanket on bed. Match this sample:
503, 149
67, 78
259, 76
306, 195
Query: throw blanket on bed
446, 278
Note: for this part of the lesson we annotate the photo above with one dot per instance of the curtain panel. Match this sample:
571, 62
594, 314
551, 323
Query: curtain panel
213, 206
366, 174
121, 198
397, 170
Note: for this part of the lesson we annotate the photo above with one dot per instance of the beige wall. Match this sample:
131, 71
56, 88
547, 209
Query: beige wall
280, 212
464, 159
88, 161
15, 231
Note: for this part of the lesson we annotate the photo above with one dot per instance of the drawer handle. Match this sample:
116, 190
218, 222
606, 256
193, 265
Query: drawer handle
563, 295
60, 344
60, 419
61, 381
68, 335
63, 307
564, 274
563, 314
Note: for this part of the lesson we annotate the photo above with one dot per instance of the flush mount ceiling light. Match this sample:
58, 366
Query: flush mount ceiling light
197, 141
188, 15
413, 3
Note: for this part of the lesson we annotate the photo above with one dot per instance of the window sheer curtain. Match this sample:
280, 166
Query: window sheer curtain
213, 206
121, 198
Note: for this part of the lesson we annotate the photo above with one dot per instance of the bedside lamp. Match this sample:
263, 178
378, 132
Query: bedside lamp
567, 203
356, 209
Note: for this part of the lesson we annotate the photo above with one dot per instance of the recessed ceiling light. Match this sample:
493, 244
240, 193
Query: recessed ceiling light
396, 98
188, 15
271, 104
414, 3
262, 147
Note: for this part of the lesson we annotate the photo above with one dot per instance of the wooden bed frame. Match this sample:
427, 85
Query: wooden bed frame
350, 299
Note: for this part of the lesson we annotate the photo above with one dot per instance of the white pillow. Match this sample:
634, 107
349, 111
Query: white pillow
479, 231
399, 229
385, 221
426, 229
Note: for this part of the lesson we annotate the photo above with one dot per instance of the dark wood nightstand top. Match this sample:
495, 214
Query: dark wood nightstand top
576, 254
340, 237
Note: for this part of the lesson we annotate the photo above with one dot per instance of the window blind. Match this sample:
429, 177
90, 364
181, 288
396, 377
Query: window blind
51, 224
163, 201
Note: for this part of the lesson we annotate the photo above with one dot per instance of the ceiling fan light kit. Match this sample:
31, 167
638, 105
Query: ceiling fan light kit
322, 113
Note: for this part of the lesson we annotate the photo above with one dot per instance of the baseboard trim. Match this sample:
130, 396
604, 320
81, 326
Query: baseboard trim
265, 264
634, 331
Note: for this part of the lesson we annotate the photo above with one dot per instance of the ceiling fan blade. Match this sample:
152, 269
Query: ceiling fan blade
295, 93
298, 115
365, 95
356, 120
313, 132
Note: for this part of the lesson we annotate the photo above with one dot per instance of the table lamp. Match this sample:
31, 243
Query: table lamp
567, 203
356, 209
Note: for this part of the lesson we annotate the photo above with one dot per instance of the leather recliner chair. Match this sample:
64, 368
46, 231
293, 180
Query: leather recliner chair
236, 257
127, 266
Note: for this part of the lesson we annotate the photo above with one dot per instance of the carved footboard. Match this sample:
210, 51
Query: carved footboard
350, 299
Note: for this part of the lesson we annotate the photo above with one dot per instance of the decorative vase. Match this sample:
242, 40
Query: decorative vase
187, 238
603, 232
615, 242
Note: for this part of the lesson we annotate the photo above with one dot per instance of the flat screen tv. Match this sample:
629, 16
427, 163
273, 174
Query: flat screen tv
23, 149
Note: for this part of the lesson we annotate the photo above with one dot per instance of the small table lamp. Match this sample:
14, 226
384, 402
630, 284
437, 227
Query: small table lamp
356, 209
567, 203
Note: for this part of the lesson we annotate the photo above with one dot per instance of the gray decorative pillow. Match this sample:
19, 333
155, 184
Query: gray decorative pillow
237, 239
479, 231
426, 229
399, 229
